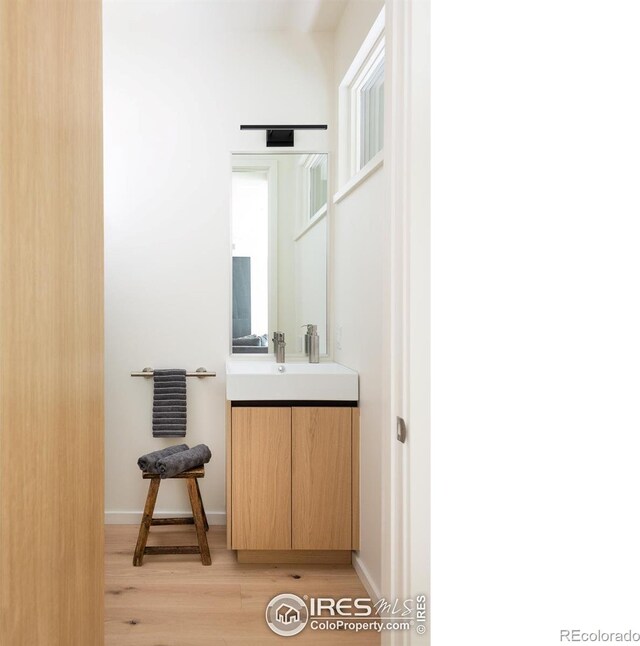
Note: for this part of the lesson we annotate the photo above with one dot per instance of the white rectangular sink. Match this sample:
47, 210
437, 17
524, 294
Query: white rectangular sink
249, 380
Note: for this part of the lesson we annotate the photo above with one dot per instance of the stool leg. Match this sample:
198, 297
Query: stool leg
198, 521
143, 534
204, 515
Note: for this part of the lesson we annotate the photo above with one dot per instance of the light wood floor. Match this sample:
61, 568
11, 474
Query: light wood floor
173, 600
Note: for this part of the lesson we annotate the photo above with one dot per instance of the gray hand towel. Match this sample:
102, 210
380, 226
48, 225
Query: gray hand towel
161, 389
183, 461
160, 396
166, 430
160, 417
149, 461
169, 409
169, 417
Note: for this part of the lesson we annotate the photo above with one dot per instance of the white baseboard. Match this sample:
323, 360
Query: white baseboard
134, 517
365, 577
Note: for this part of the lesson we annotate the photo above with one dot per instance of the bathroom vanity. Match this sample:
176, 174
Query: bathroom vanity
292, 437
292, 462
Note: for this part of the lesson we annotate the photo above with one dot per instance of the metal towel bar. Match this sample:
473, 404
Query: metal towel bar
200, 372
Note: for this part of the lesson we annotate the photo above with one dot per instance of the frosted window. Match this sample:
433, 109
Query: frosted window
372, 114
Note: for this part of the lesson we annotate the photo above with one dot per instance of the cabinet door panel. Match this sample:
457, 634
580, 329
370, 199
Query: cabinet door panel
261, 478
321, 478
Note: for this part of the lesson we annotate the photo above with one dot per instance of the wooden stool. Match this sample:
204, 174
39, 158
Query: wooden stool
199, 519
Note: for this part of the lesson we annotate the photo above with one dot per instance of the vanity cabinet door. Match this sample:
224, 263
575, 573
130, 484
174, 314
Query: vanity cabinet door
321, 478
261, 478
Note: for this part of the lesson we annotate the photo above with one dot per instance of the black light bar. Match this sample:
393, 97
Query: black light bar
282, 136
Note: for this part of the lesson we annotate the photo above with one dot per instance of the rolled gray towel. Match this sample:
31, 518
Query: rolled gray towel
149, 462
178, 462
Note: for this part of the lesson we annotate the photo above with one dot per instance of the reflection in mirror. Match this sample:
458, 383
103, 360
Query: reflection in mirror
279, 250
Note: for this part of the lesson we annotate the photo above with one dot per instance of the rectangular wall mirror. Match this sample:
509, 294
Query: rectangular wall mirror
279, 250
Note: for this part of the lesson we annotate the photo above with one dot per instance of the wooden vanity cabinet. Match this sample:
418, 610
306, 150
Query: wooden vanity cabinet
292, 481
321, 479
261, 478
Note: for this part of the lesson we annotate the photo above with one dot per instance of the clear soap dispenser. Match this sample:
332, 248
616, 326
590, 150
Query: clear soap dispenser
312, 343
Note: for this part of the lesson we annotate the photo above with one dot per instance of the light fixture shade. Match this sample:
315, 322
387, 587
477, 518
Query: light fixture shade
279, 138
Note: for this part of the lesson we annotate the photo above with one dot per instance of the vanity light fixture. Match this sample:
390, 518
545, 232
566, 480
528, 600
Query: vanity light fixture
282, 136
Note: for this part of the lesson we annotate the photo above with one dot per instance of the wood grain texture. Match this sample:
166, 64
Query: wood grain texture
309, 557
51, 323
321, 478
198, 517
197, 472
172, 521
174, 601
355, 478
227, 481
145, 523
203, 512
261, 478
173, 549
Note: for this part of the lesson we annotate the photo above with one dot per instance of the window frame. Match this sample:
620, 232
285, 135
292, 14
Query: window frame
351, 172
312, 162
375, 58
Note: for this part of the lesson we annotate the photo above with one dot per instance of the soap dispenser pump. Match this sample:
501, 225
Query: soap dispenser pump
312, 343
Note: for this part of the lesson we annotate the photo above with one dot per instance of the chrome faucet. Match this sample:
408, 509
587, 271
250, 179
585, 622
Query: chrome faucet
278, 346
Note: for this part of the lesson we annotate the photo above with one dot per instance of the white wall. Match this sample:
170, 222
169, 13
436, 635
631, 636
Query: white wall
302, 261
311, 281
176, 89
360, 307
